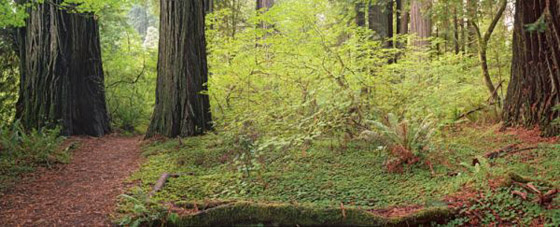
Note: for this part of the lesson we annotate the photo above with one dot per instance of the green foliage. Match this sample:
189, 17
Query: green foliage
11, 14
312, 76
502, 207
139, 211
316, 175
129, 61
22, 151
9, 80
414, 137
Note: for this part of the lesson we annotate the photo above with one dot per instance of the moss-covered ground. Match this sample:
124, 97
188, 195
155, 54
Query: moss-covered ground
328, 174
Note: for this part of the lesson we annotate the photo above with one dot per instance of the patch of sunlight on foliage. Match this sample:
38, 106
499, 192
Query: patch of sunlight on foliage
312, 76
130, 70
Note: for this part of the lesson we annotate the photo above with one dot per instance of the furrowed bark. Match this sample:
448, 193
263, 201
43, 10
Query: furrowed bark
62, 81
181, 108
533, 88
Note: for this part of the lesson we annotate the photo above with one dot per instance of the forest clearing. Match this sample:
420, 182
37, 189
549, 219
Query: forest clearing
279, 113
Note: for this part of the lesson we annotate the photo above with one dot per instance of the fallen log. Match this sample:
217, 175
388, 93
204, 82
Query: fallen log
508, 150
281, 214
163, 179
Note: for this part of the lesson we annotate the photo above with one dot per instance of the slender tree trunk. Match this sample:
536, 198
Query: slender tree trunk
471, 42
181, 108
62, 80
359, 8
456, 31
420, 23
208, 6
483, 40
533, 89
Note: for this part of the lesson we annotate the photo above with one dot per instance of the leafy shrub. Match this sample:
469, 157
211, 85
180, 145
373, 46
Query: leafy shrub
140, 210
406, 142
22, 151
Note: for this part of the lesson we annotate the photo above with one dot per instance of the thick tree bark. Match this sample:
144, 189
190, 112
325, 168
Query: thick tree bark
533, 89
420, 23
62, 78
181, 109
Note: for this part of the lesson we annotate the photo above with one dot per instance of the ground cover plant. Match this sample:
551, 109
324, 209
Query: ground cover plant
280, 112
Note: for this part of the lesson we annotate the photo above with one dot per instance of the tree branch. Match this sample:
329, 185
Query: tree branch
488, 33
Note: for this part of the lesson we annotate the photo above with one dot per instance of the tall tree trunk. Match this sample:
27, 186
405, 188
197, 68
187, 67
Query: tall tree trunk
402, 17
420, 23
62, 78
264, 4
380, 19
181, 109
456, 31
359, 8
533, 89
208, 6
471, 42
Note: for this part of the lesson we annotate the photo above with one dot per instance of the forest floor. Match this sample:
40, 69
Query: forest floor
83, 192
329, 175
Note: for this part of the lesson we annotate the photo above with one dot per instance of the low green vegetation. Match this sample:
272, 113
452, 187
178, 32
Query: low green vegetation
22, 151
327, 174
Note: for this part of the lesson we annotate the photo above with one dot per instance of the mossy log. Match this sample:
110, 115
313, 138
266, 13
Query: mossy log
514, 177
288, 214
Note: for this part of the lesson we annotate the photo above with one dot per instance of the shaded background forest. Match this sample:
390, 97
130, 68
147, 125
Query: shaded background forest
317, 62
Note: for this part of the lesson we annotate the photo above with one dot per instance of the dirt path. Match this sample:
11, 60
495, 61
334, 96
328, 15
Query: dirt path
81, 193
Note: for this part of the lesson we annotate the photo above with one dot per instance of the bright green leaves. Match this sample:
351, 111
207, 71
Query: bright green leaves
11, 14
94, 6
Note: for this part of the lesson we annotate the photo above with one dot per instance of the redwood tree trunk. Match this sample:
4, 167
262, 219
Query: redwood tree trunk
533, 89
380, 18
420, 23
62, 78
181, 109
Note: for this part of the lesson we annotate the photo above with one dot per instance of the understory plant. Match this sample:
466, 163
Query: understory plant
21, 151
406, 142
141, 211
